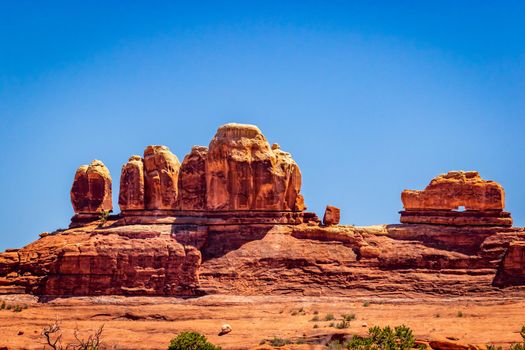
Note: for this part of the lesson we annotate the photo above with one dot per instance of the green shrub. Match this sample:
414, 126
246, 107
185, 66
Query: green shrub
17, 308
191, 341
329, 317
278, 342
493, 347
399, 338
103, 217
342, 325
2, 306
522, 345
366, 304
348, 317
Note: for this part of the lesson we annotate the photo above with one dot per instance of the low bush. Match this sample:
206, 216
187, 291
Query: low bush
329, 317
399, 338
279, 341
191, 341
520, 346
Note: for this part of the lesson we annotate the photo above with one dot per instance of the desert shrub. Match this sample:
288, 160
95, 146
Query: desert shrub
459, 314
366, 304
520, 346
329, 317
17, 308
2, 306
315, 318
103, 217
53, 337
316, 312
316, 325
399, 338
279, 341
493, 347
342, 325
191, 341
348, 317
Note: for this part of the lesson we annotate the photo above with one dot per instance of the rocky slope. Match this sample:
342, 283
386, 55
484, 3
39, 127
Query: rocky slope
260, 259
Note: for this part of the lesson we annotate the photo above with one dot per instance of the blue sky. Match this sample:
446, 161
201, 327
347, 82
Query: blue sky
370, 97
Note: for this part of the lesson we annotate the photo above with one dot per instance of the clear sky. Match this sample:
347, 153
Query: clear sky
370, 97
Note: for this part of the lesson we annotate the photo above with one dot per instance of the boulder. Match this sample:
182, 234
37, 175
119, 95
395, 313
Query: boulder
192, 180
91, 190
244, 173
331, 216
161, 171
131, 196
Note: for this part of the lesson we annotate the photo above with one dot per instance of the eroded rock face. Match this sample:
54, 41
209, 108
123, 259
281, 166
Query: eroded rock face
512, 269
126, 262
332, 215
454, 189
91, 190
131, 196
161, 171
483, 200
244, 173
192, 180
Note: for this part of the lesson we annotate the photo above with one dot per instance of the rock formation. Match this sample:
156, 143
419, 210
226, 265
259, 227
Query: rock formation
239, 178
161, 171
512, 269
439, 202
91, 190
244, 173
231, 219
131, 195
332, 215
192, 180
454, 189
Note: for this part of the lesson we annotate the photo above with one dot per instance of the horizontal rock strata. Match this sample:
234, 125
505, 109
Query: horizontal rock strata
260, 258
438, 203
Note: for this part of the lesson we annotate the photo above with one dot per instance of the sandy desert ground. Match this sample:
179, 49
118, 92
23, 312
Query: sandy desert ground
150, 322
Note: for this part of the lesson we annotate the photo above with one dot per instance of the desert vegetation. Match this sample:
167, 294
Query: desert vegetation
12, 307
398, 338
53, 338
191, 341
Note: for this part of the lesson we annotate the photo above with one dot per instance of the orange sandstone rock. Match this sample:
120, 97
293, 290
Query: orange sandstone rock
512, 268
161, 171
91, 190
192, 180
131, 196
244, 173
332, 215
454, 189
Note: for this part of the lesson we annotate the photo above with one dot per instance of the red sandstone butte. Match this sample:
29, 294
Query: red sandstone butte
454, 189
244, 173
192, 180
131, 196
91, 190
230, 220
161, 171
438, 203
